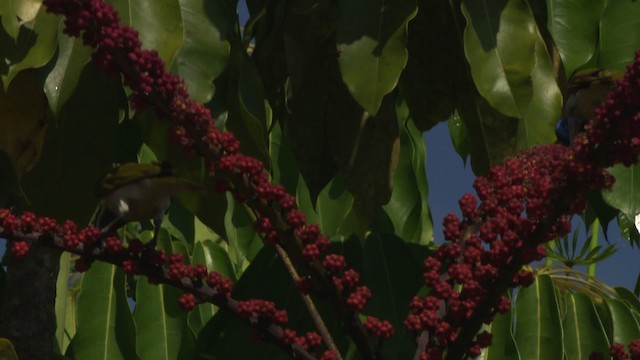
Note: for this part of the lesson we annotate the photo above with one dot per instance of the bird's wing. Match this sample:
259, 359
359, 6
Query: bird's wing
129, 173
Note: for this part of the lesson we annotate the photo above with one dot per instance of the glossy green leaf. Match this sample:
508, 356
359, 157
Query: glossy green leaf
408, 208
63, 79
574, 26
105, 325
216, 259
625, 327
159, 319
625, 193
78, 150
244, 242
9, 19
38, 44
459, 136
538, 327
393, 275
205, 52
161, 323
372, 47
63, 293
583, 330
619, 34
334, 205
503, 345
626, 295
511, 67
158, 22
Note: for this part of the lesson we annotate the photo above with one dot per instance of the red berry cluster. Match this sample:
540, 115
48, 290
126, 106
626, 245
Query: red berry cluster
133, 256
618, 352
265, 312
613, 136
525, 202
263, 309
19, 249
308, 341
187, 301
382, 329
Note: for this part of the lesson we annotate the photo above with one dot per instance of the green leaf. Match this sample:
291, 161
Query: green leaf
393, 275
372, 47
161, 323
24, 120
63, 293
365, 149
314, 91
625, 328
36, 46
431, 80
284, 170
78, 150
511, 67
459, 136
63, 79
597, 208
408, 208
159, 319
574, 26
619, 35
626, 295
628, 229
248, 111
244, 242
334, 205
624, 194
158, 22
205, 52
538, 327
105, 325
583, 330
7, 352
503, 345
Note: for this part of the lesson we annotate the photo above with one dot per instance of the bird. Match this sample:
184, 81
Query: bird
138, 192
587, 89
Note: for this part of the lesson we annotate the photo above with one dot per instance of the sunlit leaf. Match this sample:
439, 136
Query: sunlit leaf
511, 67
372, 47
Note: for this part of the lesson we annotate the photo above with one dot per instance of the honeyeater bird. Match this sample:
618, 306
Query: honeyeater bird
587, 89
137, 192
